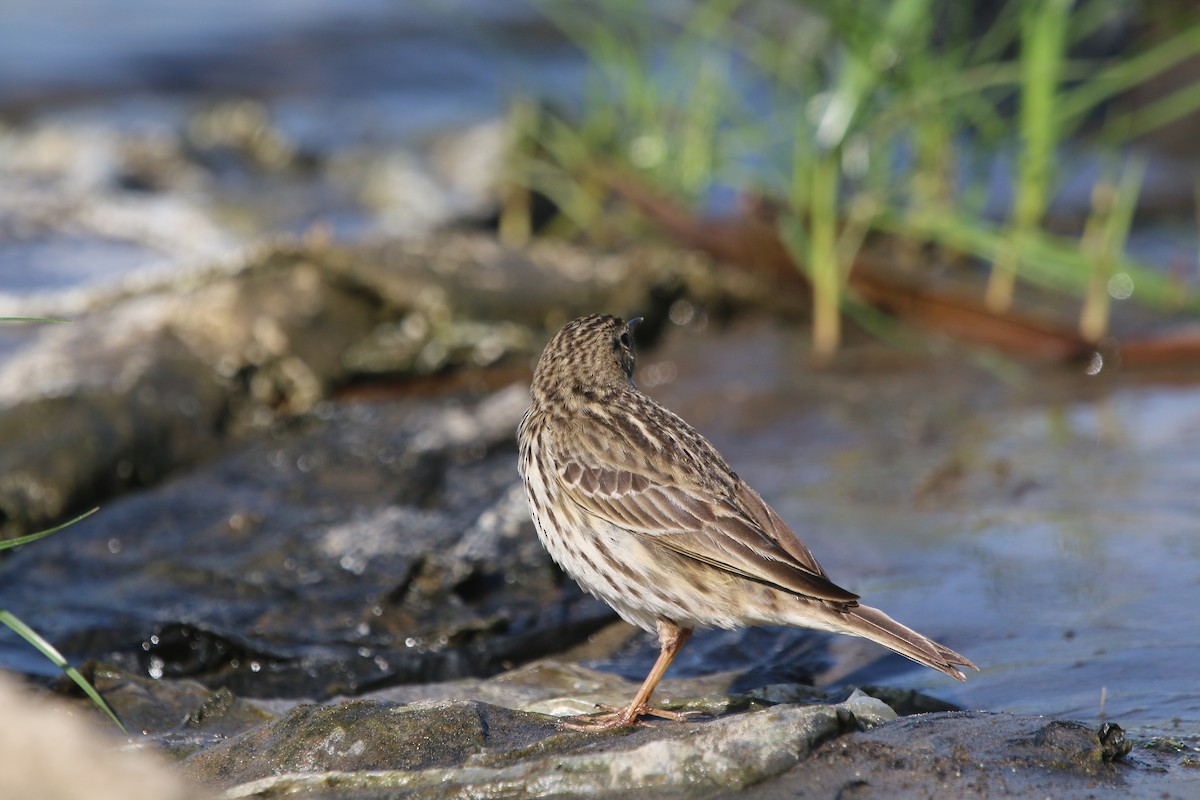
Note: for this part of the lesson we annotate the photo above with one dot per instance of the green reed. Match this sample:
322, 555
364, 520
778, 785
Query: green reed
1043, 53
39, 643
878, 116
19, 627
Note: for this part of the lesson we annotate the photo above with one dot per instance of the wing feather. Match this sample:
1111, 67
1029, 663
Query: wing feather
733, 530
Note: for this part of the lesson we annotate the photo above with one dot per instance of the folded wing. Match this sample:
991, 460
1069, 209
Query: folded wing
728, 526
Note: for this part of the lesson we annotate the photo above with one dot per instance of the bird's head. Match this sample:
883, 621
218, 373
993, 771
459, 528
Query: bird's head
589, 356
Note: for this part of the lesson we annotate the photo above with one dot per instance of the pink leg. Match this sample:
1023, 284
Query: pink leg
671, 639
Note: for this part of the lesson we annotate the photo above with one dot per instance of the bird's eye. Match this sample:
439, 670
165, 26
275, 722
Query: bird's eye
625, 340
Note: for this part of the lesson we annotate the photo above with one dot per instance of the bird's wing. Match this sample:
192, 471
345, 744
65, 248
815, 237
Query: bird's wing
733, 531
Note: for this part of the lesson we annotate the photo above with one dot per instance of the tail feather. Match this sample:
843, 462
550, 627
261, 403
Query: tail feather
871, 623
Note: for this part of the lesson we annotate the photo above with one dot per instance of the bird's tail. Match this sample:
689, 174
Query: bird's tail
871, 623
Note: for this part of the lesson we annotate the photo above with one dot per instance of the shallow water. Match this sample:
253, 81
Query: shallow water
1044, 525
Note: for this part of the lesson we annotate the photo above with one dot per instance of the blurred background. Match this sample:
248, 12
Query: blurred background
1025, 138
195, 131
970, 379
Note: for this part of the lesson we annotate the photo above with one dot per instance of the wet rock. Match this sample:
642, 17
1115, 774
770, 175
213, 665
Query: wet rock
961, 754
123, 397
365, 735
149, 382
467, 277
180, 716
563, 688
466, 748
906, 702
63, 453
375, 544
498, 737
1113, 744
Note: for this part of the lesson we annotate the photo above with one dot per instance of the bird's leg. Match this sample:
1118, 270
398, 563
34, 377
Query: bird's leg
671, 639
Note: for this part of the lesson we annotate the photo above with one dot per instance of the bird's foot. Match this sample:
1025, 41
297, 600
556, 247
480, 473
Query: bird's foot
610, 717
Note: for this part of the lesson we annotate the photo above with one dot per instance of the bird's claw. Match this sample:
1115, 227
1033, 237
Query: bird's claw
610, 717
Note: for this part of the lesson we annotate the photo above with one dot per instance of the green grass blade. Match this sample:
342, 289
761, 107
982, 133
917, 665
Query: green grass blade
862, 69
1050, 261
918, 90
1043, 49
33, 537
823, 267
1113, 205
48, 650
1126, 74
1152, 116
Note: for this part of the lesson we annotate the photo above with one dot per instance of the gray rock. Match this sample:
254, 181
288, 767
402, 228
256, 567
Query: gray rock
379, 544
492, 737
972, 754
466, 748
149, 382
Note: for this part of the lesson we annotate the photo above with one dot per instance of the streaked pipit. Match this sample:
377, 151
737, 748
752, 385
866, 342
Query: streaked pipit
645, 514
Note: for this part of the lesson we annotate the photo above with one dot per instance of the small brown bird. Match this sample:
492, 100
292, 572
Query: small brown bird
646, 515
